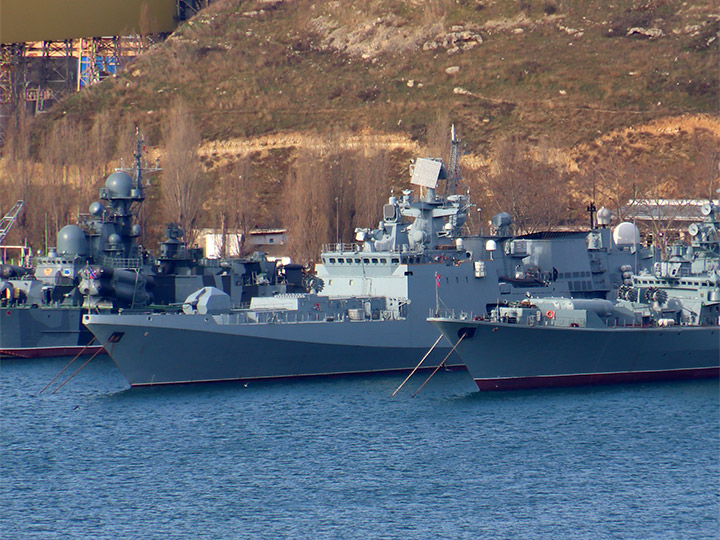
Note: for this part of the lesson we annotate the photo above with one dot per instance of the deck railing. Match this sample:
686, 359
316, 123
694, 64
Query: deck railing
111, 262
341, 248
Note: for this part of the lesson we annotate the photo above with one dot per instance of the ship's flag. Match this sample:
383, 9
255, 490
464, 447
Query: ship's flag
437, 280
91, 273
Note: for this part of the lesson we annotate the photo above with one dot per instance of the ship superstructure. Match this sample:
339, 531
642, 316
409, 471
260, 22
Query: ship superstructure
98, 264
665, 324
419, 258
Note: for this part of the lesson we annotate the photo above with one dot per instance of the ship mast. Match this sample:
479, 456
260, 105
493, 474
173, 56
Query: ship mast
138, 164
454, 163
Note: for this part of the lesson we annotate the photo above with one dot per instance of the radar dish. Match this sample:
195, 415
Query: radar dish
426, 173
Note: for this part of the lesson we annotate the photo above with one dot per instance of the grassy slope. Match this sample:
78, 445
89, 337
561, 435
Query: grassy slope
544, 70
246, 74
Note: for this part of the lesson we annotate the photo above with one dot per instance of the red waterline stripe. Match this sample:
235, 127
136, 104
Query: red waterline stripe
550, 381
45, 352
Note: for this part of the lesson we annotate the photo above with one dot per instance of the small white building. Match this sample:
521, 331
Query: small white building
665, 221
270, 241
674, 214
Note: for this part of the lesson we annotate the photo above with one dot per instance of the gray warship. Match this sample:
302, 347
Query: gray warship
99, 265
371, 298
663, 325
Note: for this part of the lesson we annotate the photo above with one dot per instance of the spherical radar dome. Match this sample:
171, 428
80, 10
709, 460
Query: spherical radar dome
626, 234
72, 241
604, 216
119, 184
114, 239
96, 208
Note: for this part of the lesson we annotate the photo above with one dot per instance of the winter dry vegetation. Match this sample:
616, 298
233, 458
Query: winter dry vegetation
297, 113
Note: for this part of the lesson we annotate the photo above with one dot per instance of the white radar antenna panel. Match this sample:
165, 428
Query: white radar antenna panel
426, 172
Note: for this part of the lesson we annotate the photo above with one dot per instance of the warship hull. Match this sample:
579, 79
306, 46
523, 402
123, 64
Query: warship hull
36, 333
171, 349
183, 348
501, 356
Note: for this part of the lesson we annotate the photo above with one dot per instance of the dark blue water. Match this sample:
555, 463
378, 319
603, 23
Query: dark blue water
338, 458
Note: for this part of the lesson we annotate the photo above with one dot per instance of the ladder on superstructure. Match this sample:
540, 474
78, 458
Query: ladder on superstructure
9, 219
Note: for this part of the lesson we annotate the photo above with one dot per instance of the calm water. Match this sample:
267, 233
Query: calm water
339, 458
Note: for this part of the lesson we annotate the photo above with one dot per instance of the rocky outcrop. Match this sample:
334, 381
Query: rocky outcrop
456, 40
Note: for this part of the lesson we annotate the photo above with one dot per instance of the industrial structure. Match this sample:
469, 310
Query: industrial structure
5, 224
49, 49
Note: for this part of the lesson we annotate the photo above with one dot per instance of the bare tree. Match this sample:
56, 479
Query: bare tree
532, 190
246, 201
237, 202
18, 180
704, 170
61, 150
340, 171
97, 158
310, 205
370, 186
184, 186
438, 136
333, 189
612, 182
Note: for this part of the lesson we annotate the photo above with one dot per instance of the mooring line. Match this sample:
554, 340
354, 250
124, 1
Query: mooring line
416, 367
68, 364
441, 364
80, 368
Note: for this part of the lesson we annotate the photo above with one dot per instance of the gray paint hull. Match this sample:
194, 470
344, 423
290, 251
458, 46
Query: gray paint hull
31, 332
171, 349
164, 349
509, 356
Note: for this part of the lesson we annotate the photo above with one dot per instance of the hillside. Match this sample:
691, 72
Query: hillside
579, 86
252, 68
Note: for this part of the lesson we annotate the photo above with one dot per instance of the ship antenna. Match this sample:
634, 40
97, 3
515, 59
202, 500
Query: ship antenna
591, 209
